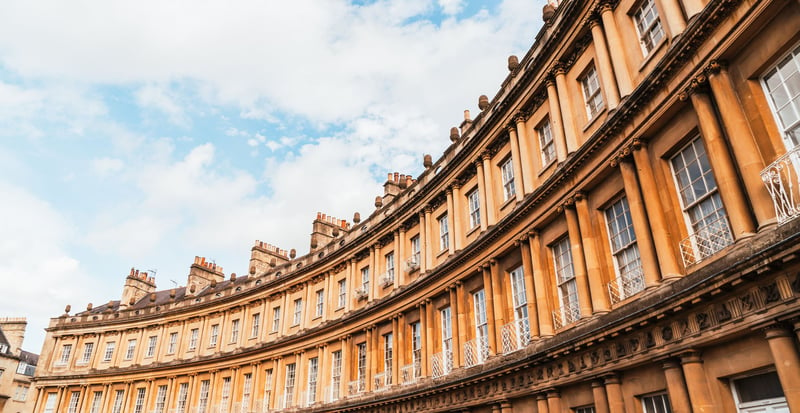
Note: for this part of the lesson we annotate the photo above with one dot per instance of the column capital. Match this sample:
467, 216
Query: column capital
598, 383
591, 20
696, 86
579, 196
485, 155
553, 393
521, 116
611, 378
691, 356
715, 66
605, 6
776, 330
559, 69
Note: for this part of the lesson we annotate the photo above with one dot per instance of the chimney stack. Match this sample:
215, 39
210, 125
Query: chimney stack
137, 286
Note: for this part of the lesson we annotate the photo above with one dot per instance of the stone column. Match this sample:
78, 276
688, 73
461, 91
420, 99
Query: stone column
456, 340
499, 299
395, 350
570, 132
451, 217
423, 242
673, 15
424, 338
540, 282
525, 153
695, 375
400, 346
401, 257
374, 253
600, 398
578, 262
676, 387
458, 214
398, 258
488, 173
725, 174
530, 290
644, 239
664, 242
604, 64
693, 7
617, 49
787, 362
741, 140
345, 373
616, 403
600, 301
371, 368
556, 121
506, 407
541, 403
554, 401
489, 293
481, 193
462, 313
516, 163
350, 284
430, 336
428, 257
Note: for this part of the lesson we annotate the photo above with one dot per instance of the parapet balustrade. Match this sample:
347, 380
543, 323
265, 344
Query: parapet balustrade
516, 335
783, 185
706, 241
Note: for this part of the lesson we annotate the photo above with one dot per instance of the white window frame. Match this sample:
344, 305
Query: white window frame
183, 395
50, 403
507, 173
444, 233
97, 399
88, 349
212, 341
566, 283
151, 346
415, 249
648, 25
447, 339
194, 336
138, 406
161, 398
173, 342
247, 389
547, 145
336, 374
66, 351
624, 248
225, 397
235, 331
108, 353
288, 388
297, 316
320, 305
592, 92
276, 319
365, 279
130, 351
119, 400
388, 354
651, 399
790, 132
361, 366
760, 405
416, 348
474, 204
342, 297
202, 400
389, 260
313, 372
481, 323
255, 325
74, 398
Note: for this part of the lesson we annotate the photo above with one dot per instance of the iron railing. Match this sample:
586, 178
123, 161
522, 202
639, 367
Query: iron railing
783, 184
706, 241
625, 286
516, 335
476, 351
441, 363
569, 313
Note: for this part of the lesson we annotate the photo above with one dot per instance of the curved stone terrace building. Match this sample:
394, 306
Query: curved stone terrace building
613, 232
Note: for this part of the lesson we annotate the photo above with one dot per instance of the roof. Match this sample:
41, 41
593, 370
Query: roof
29, 358
4, 340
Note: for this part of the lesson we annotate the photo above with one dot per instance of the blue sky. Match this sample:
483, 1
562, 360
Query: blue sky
141, 134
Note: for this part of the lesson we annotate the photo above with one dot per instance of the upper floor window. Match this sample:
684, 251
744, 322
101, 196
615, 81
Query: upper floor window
567, 285
73, 402
361, 366
131, 349
782, 84
183, 395
365, 279
585, 409
590, 84
313, 370
161, 399
415, 249
627, 263
212, 341
109, 352
138, 406
656, 403
87, 352
701, 203
193, 336
507, 170
298, 311
50, 403
388, 345
173, 342
546, 143
66, 350
416, 349
255, 325
288, 389
648, 25
474, 200
336, 374
320, 307
390, 266
276, 319
481, 352
444, 233
235, 331
342, 293
151, 345
119, 399
97, 399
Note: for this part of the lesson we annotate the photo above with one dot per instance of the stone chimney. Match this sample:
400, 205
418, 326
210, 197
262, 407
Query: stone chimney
325, 228
137, 286
14, 330
264, 256
395, 183
202, 274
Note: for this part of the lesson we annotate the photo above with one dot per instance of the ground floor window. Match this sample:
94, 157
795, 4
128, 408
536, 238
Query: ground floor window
760, 393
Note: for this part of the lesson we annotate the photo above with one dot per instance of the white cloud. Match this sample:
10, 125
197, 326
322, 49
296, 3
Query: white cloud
157, 98
451, 6
105, 166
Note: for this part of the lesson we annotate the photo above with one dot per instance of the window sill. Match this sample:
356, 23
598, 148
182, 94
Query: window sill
473, 230
650, 55
339, 308
508, 202
442, 252
316, 317
547, 166
594, 118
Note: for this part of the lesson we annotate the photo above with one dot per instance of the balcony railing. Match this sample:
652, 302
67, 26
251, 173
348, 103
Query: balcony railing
476, 351
783, 185
626, 286
381, 381
441, 363
516, 335
412, 263
386, 279
332, 393
569, 313
410, 373
706, 241
357, 386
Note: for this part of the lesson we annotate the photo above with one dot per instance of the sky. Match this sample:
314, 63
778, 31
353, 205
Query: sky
142, 134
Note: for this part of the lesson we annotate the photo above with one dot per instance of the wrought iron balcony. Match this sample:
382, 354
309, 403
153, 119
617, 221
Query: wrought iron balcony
476, 351
411, 372
706, 241
442, 363
382, 381
516, 335
357, 386
783, 185
626, 286
569, 313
